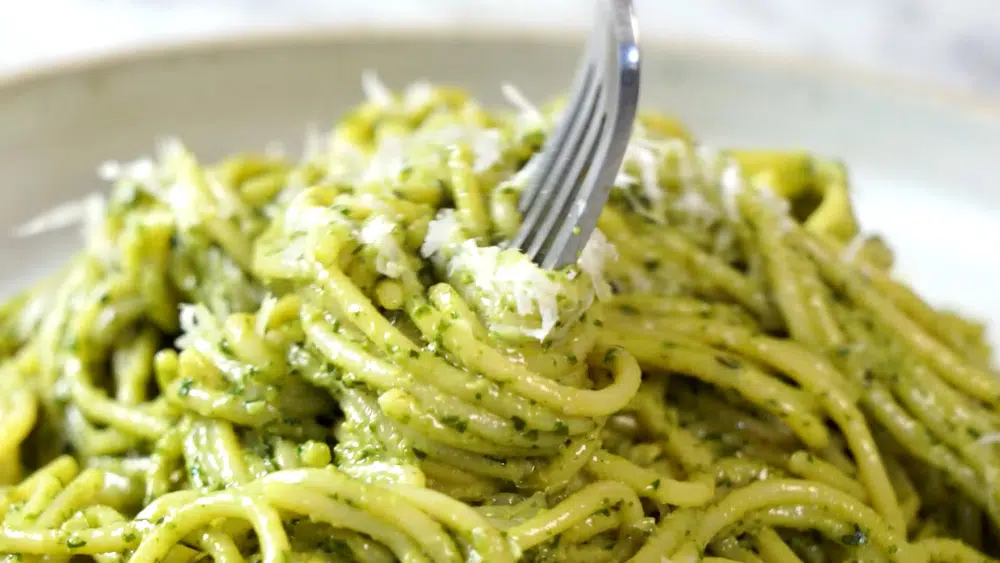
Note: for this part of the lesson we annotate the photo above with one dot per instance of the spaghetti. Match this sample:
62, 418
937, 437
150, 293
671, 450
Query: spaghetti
337, 360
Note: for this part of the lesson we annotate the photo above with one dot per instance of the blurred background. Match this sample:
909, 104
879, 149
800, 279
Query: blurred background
950, 42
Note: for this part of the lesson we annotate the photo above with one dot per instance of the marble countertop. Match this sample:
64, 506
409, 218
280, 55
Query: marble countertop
954, 43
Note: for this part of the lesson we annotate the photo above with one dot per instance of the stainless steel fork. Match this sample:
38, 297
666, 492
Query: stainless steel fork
572, 181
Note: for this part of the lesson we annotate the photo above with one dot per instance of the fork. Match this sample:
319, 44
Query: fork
569, 187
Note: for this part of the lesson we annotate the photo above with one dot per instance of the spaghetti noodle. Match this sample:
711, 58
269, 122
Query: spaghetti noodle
337, 360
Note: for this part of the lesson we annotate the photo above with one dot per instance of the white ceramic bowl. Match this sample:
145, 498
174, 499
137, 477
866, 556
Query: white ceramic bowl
922, 164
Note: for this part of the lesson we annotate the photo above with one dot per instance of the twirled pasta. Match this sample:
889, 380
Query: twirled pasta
336, 360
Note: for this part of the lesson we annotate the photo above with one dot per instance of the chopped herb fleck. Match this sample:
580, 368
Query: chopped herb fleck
185, 387
455, 422
729, 362
519, 423
858, 538
609, 356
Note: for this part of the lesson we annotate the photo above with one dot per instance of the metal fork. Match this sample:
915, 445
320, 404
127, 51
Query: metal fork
569, 187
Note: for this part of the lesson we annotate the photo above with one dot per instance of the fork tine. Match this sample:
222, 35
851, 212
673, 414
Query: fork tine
579, 223
579, 218
552, 179
579, 154
562, 202
556, 143
557, 178
565, 199
584, 76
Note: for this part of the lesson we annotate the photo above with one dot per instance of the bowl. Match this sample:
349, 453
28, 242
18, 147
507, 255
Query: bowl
922, 162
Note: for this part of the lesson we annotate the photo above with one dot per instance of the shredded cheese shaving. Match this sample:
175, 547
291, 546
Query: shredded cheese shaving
595, 255
63, 215
851, 250
377, 232
264, 314
731, 184
375, 90
505, 271
529, 116
439, 231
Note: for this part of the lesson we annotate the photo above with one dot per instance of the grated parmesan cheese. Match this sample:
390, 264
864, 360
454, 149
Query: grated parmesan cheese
624, 180
989, 439
525, 282
710, 161
264, 314
346, 162
777, 205
388, 160
35, 311
439, 231
731, 185
275, 149
63, 215
377, 232
486, 150
647, 156
485, 143
194, 320
314, 143
520, 178
182, 199
645, 159
686, 167
499, 271
89, 212
302, 216
851, 250
529, 116
375, 90
695, 204
595, 255
417, 95
153, 177
227, 204
141, 171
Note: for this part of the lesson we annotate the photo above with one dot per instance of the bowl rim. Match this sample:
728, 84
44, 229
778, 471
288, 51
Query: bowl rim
975, 102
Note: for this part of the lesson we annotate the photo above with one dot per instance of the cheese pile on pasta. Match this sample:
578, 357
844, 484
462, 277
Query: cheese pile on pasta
337, 359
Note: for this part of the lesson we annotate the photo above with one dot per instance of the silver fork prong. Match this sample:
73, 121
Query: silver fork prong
553, 177
548, 178
557, 181
583, 154
577, 168
557, 138
585, 75
580, 221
